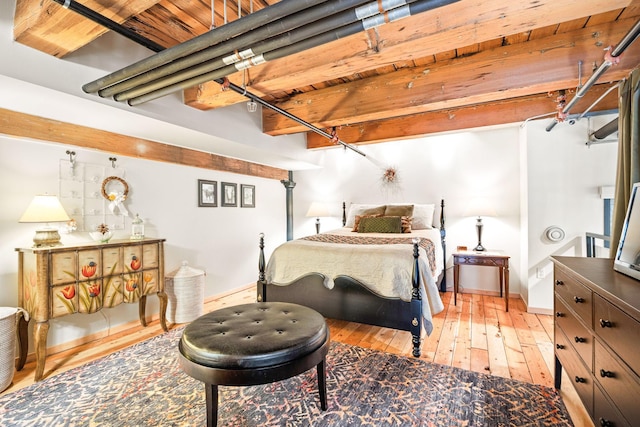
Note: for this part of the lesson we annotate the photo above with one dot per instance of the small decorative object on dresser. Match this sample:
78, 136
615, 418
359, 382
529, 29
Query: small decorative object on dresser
597, 337
137, 228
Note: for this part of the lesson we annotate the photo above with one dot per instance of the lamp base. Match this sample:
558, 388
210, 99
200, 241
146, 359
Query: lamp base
46, 237
479, 247
317, 225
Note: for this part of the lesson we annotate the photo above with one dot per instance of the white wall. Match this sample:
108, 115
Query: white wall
564, 176
223, 241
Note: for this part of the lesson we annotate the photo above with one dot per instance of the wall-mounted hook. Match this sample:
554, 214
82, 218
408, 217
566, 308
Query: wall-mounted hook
113, 162
72, 156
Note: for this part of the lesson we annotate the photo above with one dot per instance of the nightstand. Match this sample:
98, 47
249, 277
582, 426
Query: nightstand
487, 258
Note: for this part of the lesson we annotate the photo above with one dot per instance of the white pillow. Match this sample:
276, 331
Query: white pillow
422, 217
357, 209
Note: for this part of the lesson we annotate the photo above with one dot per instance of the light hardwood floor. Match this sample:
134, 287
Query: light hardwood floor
476, 334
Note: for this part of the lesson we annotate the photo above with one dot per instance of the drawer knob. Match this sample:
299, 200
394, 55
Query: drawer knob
559, 346
559, 314
607, 374
559, 283
578, 300
580, 380
605, 423
606, 323
580, 339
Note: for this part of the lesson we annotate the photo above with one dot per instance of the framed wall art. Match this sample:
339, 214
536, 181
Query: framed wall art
247, 196
229, 194
207, 193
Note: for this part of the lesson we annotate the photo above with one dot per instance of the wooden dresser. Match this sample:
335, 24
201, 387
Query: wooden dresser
597, 337
58, 281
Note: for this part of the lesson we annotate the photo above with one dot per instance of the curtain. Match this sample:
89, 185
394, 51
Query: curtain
628, 171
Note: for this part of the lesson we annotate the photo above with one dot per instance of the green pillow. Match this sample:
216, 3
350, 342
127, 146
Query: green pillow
382, 224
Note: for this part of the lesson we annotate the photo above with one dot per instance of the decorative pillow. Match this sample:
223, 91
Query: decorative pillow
398, 210
380, 224
405, 221
422, 217
356, 222
359, 209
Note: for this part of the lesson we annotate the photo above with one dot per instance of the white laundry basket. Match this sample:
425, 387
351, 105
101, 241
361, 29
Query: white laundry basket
8, 320
185, 291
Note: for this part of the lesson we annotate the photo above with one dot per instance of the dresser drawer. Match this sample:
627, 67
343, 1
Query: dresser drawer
579, 375
618, 330
617, 381
604, 412
576, 295
579, 335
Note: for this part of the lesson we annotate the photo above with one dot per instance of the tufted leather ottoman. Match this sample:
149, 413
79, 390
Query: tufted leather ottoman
253, 344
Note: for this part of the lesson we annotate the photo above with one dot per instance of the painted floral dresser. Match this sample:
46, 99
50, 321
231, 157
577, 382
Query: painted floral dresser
63, 280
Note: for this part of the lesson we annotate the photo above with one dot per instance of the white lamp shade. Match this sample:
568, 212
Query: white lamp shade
479, 206
45, 208
318, 210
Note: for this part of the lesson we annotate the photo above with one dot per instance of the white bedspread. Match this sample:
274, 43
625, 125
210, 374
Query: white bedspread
386, 268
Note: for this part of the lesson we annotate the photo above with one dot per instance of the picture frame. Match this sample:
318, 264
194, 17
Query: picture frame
229, 196
247, 196
207, 193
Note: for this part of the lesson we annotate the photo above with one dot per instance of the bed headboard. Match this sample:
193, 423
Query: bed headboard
442, 216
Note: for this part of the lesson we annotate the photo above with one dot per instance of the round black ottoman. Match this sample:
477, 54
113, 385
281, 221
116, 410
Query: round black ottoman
253, 344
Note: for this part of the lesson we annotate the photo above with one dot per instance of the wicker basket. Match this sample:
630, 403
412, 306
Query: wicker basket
8, 320
185, 291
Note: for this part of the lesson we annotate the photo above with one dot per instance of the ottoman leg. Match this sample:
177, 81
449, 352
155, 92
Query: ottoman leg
322, 384
211, 392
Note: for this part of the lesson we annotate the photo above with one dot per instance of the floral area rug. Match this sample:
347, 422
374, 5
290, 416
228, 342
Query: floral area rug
143, 386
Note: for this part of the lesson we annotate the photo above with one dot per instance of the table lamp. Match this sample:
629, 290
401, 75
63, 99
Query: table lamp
317, 210
45, 208
480, 207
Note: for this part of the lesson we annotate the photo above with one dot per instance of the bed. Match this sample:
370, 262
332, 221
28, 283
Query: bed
359, 274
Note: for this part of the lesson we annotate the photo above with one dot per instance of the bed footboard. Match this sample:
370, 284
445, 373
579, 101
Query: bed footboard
349, 299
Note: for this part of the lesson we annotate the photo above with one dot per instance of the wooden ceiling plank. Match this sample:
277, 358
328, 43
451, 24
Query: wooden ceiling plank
52, 29
510, 71
497, 113
430, 33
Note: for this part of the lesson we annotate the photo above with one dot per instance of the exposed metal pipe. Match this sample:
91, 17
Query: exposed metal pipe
605, 130
108, 23
100, 20
287, 114
395, 14
311, 35
264, 16
600, 98
610, 58
237, 45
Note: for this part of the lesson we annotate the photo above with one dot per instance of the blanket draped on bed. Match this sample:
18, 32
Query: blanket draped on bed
383, 264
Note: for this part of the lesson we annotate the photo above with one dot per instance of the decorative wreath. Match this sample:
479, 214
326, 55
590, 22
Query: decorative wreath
113, 195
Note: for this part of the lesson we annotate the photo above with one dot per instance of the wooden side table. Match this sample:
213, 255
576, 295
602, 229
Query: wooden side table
487, 258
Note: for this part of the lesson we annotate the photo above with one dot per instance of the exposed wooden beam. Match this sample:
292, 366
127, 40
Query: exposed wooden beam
28, 126
495, 113
47, 26
538, 66
460, 24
